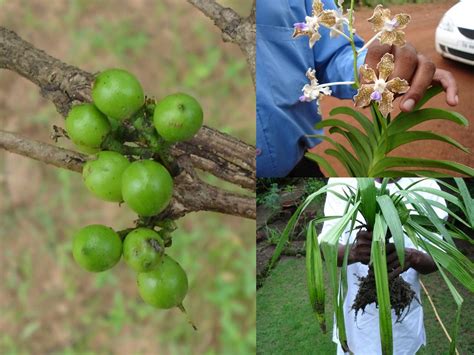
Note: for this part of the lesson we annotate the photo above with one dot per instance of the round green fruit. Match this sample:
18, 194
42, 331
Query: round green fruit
166, 286
97, 248
117, 93
143, 249
147, 187
177, 117
87, 150
103, 175
87, 126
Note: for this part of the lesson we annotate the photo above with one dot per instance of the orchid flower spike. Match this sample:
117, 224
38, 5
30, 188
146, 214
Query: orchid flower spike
379, 89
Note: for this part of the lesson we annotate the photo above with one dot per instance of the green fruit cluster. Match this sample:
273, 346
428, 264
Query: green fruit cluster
130, 137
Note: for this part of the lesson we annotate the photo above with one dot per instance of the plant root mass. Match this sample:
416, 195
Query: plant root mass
401, 295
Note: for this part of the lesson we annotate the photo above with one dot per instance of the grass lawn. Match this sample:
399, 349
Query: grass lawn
286, 325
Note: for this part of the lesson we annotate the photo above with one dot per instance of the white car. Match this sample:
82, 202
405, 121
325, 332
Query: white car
455, 33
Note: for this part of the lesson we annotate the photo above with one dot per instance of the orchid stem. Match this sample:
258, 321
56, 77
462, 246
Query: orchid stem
336, 83
340, 32
366, 45
354, 49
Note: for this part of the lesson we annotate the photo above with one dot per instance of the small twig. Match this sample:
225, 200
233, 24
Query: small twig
436, 314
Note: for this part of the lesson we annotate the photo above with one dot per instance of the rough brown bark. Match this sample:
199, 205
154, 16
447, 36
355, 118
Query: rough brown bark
210, 150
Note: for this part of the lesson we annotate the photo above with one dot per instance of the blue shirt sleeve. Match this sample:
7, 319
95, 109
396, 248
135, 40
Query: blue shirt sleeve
284, 123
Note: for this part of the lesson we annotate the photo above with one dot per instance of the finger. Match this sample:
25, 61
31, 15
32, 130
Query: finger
421, 81
390, 248
406, 62
395, 273
393, 265
375, 52
392, 258
449, 84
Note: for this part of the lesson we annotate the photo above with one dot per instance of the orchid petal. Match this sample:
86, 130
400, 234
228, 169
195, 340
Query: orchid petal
398, 86
379, 17
317, 7
367, 74
386, 66
385, 105
399, 38
388, 37
402, 20
327, 18
362, 98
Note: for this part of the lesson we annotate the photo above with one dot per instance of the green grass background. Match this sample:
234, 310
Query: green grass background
286, 324
48, 305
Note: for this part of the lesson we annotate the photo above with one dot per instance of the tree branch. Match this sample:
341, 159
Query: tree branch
190, 193
210, 150
235, 29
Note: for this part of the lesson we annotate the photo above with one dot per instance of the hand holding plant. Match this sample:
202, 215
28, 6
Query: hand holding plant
380, 83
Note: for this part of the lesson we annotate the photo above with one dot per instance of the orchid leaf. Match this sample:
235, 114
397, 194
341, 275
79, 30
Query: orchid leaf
314, 275
408, 120
402, 138
393, 162
322, 163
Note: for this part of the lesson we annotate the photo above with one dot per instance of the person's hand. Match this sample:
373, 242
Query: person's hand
417, 69
360, 251
393, 263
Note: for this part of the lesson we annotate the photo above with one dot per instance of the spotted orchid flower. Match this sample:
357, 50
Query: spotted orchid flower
314, 90
379, 89
388, 28
311, 25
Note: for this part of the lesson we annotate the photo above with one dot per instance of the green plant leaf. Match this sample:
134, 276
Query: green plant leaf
467, 199
363, 120
321, 162
363, 154
294, 219
368, 205
392, 219
430, 93
352, 165
402, 138
393, 162
379, 259
360, 137
408, 120
314, 275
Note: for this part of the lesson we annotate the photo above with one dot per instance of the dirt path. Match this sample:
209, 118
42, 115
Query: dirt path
421, 33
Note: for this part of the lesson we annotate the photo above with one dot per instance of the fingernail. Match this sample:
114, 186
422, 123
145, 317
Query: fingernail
409, 104
456, 99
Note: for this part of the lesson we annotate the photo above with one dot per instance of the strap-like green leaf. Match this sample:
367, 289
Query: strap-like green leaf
394, 162
467, 199
408, 120
379, 259
402, 138
314, 275
352, 165
361, 138
365, 123
368, 204
322, 163
392, 219
363, 152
